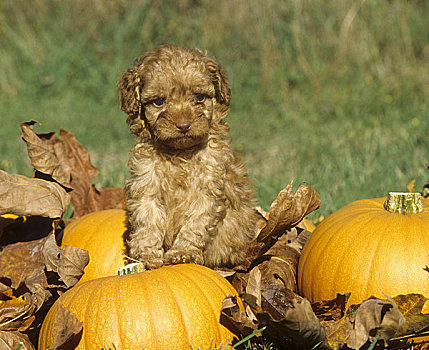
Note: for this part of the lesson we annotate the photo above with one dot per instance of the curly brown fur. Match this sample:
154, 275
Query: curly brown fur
188, 197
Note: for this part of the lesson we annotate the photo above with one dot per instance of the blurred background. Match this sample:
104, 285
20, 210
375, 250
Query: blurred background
334, 93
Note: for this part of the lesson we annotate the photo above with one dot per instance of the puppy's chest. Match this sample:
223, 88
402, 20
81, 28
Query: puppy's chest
183, 182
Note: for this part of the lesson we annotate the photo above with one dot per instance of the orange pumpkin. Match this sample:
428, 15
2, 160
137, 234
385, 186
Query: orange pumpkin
172, 307
100, 233
367, 249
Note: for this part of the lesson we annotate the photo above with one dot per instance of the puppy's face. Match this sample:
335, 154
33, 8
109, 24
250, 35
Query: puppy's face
174, 95
178, 102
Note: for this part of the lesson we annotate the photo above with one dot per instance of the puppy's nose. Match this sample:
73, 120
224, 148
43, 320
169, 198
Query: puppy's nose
183, 127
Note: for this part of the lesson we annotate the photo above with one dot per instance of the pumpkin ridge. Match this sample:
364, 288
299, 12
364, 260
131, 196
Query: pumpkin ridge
190, 277
371, 267
173, 293
90, 296
341, 257
203, 293
341, 260
219, 289
147, 296
313, 248
116, 318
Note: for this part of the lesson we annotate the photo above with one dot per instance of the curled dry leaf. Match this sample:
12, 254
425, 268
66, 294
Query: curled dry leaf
15, 340
66, 161
67, 329
268, 275
412, 306
104, 198
20, 261
51, 253
69, 262
291, 320
282, 265
86, 198
254, 288
286, 211
234, 319
21, 195
289, 209
375, 317
331, 315
46, 154
331, 310
18, 313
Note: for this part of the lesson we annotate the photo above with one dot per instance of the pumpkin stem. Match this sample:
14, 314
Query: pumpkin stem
404, 203
131, 268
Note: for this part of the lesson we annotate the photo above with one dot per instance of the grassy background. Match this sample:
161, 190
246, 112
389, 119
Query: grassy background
334, 93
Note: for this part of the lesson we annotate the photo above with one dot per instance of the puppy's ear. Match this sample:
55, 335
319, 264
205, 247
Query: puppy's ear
130, 85
129, 89
220, 81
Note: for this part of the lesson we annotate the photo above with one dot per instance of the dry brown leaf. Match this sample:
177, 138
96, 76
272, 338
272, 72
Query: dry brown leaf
254, 288
51, 253
18, 313
67, 329
15, 340
411, 306
66, 161
331, 310
71, 264
282, 264
20, 261
373, 318
86, 197
68, 262
286, 211
83, 172
291, 320
289, 209
234, 319
337, 332
331, 314
23, 196
46, 154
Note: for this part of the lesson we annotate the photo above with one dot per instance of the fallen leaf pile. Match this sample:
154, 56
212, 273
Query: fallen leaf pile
35, 270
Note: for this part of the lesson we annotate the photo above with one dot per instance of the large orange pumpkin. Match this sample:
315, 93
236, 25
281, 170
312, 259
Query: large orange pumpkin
172, 307
100, 233
367, 249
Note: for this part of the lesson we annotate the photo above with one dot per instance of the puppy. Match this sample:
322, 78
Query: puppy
188, 197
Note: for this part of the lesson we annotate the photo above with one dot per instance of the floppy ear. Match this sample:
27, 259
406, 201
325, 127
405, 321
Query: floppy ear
130, 85
129, 89
220, 81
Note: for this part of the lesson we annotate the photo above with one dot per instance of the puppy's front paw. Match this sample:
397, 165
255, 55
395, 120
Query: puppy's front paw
174, 256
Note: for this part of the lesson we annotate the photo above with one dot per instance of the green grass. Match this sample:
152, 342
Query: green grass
333, 93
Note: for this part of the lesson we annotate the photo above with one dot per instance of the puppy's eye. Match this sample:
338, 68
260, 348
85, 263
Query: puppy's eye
199, 97
158, 102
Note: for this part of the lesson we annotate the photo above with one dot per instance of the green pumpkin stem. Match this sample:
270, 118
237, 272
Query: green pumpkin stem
404, 203
131, 268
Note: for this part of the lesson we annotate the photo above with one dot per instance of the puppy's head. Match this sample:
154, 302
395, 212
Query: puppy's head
173, 95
